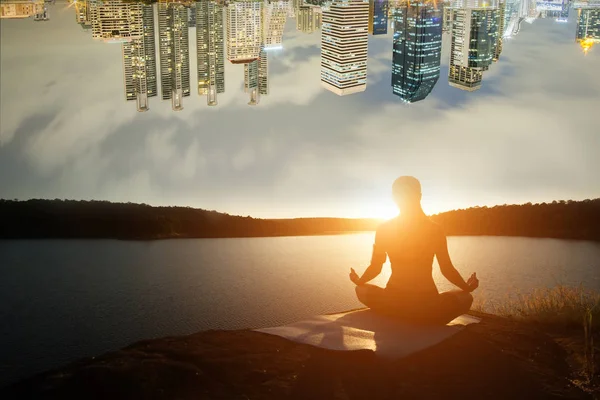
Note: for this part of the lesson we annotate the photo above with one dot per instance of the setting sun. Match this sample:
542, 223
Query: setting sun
386, 209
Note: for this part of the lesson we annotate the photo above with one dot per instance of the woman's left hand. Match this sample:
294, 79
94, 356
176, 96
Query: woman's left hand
473, 282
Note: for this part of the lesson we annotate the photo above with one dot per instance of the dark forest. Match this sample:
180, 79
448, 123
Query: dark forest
103, 219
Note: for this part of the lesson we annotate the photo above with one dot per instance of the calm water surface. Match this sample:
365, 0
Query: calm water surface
60, 300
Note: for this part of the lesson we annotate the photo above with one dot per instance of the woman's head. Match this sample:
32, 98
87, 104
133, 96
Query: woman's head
407, 193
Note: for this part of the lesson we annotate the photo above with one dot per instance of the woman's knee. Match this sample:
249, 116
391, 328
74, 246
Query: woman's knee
466, 300
368, 294
361, 293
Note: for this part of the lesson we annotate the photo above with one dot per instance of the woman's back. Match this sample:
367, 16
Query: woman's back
410, 246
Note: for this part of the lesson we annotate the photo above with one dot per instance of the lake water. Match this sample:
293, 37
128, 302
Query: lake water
62, 300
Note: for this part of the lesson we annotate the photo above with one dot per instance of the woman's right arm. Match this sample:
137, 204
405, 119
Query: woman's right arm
378, 258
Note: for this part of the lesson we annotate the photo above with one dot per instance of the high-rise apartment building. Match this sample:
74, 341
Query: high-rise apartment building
132, 24
82, 13
263, 72
295, 5
116, 20
256, 78
18, 9
210, 45
474, 32
344, 41
378, 17
244, 30
192, 14
139, 62
273, 20
174, 52
417, 50
308, 18
588, 27
251, 82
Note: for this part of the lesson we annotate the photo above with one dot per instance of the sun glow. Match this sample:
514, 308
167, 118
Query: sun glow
383, 211
387, 209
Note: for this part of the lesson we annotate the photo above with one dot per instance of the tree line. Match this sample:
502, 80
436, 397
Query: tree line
102, 219
566, 219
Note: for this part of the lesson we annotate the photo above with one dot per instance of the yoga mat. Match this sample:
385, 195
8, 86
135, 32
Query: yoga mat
364, 329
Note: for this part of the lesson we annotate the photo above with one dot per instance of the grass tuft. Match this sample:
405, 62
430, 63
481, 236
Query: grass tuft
560, 306
557, 308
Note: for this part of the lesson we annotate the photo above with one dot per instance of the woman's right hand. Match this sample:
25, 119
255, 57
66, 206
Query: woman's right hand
473, 282
354, 276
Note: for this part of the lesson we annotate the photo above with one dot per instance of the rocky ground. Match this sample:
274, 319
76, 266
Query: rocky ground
495, 359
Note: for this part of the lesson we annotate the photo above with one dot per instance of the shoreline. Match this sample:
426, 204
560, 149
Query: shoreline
498, 358
331, 233
43, 219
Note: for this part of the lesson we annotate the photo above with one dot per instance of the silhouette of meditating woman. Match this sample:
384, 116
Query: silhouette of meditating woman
411, 241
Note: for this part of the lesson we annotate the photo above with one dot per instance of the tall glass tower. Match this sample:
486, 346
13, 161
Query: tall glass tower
588, 27
378, 17
474, 33
417, 50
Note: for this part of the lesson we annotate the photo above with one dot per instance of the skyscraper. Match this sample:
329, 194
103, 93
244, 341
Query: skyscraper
417, 49
308, 18
192, 15
244, 30
588, 27
344, 41
139, 62
499, 30
378, 17
263, 72
251, 82
210, 45
273, 20
474, 32
174, 52
447, 12
256, 78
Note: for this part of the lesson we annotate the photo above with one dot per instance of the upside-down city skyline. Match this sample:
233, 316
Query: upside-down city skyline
252, 28
345, 96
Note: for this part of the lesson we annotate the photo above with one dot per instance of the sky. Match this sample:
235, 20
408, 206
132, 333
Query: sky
530, 134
